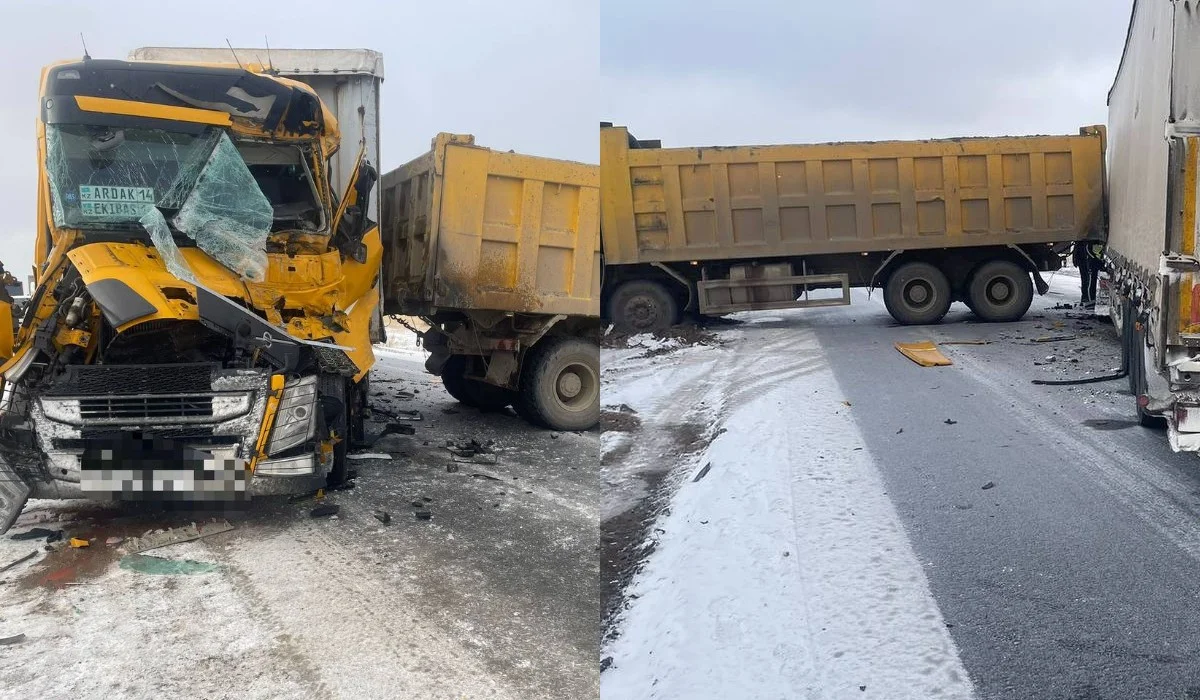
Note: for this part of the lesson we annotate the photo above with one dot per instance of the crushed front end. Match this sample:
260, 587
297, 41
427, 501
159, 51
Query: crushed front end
202, 322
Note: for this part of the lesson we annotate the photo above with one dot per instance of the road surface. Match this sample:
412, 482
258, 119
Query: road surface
951, 532
494, 597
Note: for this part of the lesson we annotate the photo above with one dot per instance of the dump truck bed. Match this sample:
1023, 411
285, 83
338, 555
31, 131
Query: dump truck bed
713, 203
465, 227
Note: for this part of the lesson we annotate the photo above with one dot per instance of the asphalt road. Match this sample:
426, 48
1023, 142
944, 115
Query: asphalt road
1077, 573
496, 595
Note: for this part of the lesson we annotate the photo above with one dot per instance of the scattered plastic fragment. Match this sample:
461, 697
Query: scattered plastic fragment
77, 543
702, 473
989, 485
369, 455
146, 564
162, 538
14, 562
924, 353
113, 541
423, 515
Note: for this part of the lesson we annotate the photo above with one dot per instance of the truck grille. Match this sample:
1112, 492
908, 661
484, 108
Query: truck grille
157, 408
97, 380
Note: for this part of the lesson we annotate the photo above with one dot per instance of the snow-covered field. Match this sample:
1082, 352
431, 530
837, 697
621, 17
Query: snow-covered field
779, 567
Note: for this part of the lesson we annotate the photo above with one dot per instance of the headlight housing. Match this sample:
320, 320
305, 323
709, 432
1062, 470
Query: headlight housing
296, 418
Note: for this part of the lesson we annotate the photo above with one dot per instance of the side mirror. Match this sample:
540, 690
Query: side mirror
352, 221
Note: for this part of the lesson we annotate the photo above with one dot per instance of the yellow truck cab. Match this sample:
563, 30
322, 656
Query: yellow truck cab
201, 324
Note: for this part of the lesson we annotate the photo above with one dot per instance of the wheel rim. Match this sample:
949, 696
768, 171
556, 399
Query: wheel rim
1000, 290
641, 312
575, 386
918, 294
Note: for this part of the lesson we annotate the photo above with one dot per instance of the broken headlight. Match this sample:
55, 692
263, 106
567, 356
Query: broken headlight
296, 418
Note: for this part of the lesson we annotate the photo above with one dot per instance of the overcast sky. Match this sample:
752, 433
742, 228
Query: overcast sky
519, 74
699, 72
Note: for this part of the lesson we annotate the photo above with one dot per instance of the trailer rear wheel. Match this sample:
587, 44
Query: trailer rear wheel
470, 392
1000, 290
642, 306
560, 384
917, 293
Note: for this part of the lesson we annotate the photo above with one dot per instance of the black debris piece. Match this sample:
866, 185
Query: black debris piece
427, 499
15, 639
418, 504
451, 468
489, 477
423, 515
382, 516
38, 533
324, 510
605, 663
900, 431
989, 485
14, 562
950, 421
702, 473
398, 429
450, 411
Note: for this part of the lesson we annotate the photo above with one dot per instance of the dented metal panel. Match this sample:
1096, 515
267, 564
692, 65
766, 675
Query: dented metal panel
466, 227
681, 204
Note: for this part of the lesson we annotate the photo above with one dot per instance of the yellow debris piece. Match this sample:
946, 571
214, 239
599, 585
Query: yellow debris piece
77, 543
924, 353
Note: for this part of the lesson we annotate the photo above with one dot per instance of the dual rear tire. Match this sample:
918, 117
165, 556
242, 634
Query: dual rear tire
918, 293
559, 387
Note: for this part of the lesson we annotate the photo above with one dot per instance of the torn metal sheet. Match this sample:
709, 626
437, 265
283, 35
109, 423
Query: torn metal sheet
175, 535
369, 455
924, 353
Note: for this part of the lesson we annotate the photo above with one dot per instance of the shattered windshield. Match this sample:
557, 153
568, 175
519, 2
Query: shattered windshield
226, 198
102, 177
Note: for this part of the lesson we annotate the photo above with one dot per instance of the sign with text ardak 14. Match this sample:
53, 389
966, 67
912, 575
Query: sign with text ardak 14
115, 202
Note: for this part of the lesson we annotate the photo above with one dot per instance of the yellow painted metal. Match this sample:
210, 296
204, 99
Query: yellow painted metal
133, 108
6, 335
684, 204
924, 353
272, 408
1187, 243
466, 227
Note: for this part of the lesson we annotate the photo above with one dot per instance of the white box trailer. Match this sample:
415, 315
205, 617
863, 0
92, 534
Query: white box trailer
348, 81
1153, 152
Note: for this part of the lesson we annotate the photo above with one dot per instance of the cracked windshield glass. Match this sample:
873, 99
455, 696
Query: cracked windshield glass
225, 198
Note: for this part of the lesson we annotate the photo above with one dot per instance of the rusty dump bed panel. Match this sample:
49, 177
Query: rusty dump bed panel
466, 227
678, 204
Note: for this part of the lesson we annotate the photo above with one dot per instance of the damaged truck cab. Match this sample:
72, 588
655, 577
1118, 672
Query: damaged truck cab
201, 324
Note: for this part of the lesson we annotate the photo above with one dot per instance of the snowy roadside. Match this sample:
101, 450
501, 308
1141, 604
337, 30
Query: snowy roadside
779, 568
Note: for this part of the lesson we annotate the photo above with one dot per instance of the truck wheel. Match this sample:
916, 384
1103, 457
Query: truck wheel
332, 393
1000, 291
560, 384
917, 293
642, 306
481, 395
1137, 375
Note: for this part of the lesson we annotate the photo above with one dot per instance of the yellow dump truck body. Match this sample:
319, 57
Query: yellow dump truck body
466, 227
687, 204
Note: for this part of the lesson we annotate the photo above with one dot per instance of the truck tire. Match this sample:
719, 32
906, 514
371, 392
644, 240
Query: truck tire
1138, 384
332, 392
470, 392
917, 293
642, 306
1000, 291
560, 384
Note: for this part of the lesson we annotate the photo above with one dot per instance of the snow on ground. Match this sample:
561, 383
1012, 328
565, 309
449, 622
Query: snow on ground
783, 571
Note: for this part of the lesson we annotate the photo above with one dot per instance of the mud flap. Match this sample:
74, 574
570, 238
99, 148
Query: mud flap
1039, 283
13, 494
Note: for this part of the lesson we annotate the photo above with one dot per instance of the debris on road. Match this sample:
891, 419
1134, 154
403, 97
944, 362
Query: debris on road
114, 541
472, 451
423, 514
382, 516
398, 429
369, 455
475, 459
924, 353
398, 414
989, 485
162, 538
77, 543
1053, 338
965, 342
391, 444
38, 533
14, 562
950, 421
702, 473
161, 566
489, 477
324, 510
15, 639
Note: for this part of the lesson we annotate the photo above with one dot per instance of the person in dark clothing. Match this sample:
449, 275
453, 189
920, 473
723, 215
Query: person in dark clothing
1088, 256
